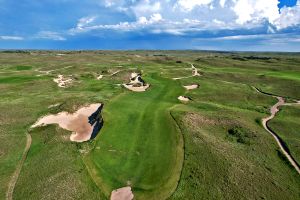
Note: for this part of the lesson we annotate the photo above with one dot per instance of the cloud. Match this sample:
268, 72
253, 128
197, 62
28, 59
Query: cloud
189, 5
8, 37
50, 35
222, 3
249, 10
145, 7
82, 22
290, 16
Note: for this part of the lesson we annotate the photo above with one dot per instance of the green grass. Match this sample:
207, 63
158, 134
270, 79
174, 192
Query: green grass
227, 154
140, 144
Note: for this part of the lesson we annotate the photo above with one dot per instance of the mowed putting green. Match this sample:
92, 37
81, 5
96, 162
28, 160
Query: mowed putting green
140, 144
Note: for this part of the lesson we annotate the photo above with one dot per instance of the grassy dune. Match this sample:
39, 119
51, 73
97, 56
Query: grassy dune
227, 154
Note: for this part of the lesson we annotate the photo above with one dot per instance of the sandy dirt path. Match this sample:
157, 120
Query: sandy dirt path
14, 178
274, 109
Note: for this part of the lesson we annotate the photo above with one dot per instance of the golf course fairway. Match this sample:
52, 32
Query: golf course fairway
140, 144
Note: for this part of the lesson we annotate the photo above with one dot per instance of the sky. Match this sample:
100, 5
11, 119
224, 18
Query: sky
223, 25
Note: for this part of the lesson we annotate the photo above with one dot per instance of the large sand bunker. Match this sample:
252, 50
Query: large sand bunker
124, 193
62, 81
85, 123
137, 84
191, 87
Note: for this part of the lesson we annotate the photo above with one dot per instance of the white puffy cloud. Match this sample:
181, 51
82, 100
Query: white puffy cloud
250, 10
222, 3
183, 16
189, 5
146, 7
288, 17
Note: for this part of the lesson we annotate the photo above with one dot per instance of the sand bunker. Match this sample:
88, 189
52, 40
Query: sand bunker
195, 71
191, 87
84, 123
184, 98
137, 84
124, 193
62, 81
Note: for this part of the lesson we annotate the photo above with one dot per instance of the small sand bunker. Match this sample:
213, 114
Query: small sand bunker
84, 123
124, 193
195, 71
62, 81
191, 87
99, 77
184, 98
137, 84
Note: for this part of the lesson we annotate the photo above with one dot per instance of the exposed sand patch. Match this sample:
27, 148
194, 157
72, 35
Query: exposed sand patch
78, 122
62, 81
195, 71
184, 98
191, 87
137, 84
54, 105
99, 77
124, 193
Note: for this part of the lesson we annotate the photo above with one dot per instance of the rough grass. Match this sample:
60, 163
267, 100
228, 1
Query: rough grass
139, 144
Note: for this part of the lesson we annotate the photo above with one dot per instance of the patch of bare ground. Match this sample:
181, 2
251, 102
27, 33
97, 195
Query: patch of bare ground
62, 81
124, 193
191, 87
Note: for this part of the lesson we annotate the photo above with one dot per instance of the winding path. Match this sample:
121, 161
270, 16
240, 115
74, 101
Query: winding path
14, 178
274, 109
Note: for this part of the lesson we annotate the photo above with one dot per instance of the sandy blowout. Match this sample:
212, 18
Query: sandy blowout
191, 87
137, 84
184, 98
124, 193
62, 81
77, 122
